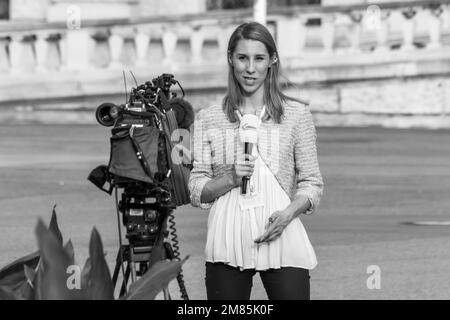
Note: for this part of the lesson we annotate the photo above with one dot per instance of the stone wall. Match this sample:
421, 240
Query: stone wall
93, 10
158, 7
28, 10
57, 10
352, 76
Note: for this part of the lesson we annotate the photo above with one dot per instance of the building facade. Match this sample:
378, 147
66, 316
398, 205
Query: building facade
358, 63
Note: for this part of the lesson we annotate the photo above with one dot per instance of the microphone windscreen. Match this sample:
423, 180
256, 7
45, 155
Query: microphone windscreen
183, 112
248, 129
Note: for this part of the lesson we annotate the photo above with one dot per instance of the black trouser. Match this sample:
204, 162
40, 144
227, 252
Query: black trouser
224, 282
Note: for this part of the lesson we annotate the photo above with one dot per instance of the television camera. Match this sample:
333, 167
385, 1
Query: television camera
143, 166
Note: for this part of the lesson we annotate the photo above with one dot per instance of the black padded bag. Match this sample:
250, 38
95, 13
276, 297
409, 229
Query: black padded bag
134, 153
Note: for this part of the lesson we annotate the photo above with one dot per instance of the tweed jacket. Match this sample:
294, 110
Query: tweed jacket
288, 149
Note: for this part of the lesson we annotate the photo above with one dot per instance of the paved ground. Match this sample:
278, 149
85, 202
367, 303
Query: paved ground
376, 179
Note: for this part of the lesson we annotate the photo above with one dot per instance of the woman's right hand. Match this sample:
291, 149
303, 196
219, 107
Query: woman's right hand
244, 166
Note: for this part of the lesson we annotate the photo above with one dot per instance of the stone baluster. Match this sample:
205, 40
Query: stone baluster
434, 26
41, 46
356, 31
446, 17
196, 40
260, 11
408, 29
302, 20
382, 32
169, 42
142, 43
4, 61
78, 44
16, 48
328, 31
62, 50
223, 35
115, 42
291, 36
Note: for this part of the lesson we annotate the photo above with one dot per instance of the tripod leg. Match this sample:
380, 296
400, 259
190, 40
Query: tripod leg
133, 271
116, 269
166, 294
123, 290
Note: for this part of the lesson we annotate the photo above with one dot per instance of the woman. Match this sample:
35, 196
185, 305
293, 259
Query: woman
260, 232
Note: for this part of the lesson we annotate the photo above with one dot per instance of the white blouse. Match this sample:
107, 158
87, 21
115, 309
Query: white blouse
232, 229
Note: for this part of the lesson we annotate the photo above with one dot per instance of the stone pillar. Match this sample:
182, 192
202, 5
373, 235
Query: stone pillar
115, 42
4, 60
382, 32
355, 36
16, 47
62, 46
291, 36
41, 50
196, 41
408, 29
260, 11
169, 42
434, 27
78, 47
328, 30
223, 36
446, 17
142, 43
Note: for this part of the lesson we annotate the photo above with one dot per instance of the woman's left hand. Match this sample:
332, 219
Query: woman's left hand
278, 221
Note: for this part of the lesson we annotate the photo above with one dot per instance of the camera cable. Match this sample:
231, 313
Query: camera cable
176, 255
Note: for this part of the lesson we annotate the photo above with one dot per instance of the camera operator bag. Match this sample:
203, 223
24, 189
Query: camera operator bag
134, 152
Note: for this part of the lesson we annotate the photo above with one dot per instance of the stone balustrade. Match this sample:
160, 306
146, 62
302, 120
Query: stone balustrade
385, 63
304, 35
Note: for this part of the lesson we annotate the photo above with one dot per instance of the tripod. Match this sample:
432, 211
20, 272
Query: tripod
145, 213
137, 260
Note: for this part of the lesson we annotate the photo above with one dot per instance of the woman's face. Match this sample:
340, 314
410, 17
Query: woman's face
250, 61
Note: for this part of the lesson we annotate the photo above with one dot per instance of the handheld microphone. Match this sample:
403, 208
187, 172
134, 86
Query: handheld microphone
249, 136
245, 180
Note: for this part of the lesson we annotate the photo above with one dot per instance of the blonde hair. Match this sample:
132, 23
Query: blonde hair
274, 98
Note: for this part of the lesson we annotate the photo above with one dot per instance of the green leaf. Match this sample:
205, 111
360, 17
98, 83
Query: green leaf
13, 272
38, 280
53, 282
99, 278
29, 274
54, 226
26, 289
85, 274
154, 280
13, 278
7, 294
70, 251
